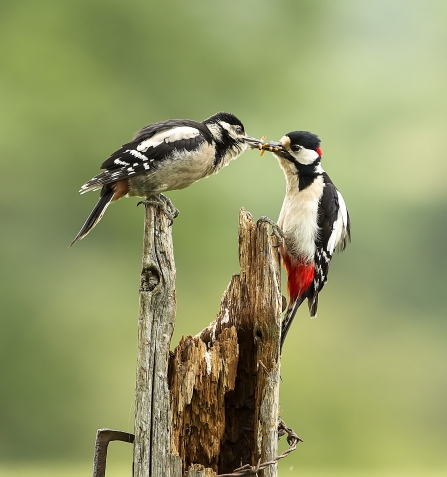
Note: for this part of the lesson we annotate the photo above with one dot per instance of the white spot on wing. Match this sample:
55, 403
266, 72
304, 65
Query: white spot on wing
136, 154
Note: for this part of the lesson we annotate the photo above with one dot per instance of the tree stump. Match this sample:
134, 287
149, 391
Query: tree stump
218, 410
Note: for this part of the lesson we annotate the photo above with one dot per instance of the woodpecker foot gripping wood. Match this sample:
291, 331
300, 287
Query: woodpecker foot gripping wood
165, 204
276, 231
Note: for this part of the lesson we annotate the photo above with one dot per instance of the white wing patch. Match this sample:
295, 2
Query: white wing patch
171, 135
335, 235
339, 228
343, 209
134, 153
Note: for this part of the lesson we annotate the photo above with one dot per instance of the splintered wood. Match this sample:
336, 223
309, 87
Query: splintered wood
224, 382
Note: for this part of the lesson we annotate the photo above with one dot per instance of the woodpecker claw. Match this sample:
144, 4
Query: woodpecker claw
165, 205
276, 231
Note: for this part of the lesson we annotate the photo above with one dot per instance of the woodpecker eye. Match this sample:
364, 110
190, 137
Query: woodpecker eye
295, 147
239, 129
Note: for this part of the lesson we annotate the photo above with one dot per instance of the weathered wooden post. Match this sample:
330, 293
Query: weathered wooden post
152, 444
212, 405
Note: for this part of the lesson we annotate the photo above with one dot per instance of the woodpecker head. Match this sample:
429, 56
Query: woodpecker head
297, 152
300, 146
229, 135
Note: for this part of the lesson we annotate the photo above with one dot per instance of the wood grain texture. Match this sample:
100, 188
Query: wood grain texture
156, 322
224, 382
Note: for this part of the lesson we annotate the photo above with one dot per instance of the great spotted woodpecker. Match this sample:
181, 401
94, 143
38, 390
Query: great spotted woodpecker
165, 156
313, 221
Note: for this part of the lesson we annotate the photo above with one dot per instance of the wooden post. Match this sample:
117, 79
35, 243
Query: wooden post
152, 456
221, 408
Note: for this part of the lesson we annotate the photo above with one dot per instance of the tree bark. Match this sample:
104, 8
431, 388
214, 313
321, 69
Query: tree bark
224, 382
214, 406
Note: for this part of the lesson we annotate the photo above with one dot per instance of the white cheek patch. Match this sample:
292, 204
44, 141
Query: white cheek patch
225, 125
215, 131
229, 128
171, 135
306, 156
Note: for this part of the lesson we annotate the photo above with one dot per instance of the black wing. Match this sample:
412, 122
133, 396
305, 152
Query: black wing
150, 130
329, 221
145, 153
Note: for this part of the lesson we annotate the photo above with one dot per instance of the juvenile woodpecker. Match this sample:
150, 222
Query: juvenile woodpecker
164, 156
313, 221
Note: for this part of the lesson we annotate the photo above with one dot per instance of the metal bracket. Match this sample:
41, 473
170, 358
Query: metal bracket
103, 437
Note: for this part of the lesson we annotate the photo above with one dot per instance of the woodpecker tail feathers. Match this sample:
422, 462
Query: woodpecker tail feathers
313, 305
95, 215
100, 180
288, 318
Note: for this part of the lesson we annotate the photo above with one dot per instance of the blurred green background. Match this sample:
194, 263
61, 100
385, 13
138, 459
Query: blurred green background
365, 384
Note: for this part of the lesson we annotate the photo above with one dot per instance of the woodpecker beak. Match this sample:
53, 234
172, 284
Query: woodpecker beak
253, 142
271, 146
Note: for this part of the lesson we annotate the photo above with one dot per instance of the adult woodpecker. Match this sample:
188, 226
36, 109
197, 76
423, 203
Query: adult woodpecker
313, 221
164, 156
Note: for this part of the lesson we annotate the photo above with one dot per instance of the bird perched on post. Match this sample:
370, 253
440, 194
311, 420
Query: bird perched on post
313, 221
164, 156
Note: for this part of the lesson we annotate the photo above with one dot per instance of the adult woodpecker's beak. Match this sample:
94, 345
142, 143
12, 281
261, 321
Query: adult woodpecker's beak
272, 146
262, 145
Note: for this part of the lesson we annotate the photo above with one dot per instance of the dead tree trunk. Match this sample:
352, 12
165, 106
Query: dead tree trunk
221, 408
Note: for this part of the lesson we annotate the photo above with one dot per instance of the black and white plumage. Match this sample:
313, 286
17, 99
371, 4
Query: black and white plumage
164, 156
313, 222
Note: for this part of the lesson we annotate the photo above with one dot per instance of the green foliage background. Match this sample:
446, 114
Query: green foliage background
365, 384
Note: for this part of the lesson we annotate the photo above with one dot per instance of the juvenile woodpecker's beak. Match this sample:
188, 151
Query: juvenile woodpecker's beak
253, 142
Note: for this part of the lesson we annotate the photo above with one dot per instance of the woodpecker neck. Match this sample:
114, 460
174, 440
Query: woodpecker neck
300, 175
227, 148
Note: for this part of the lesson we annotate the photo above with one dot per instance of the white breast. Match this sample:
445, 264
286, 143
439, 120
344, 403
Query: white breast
177, 171
298, 218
